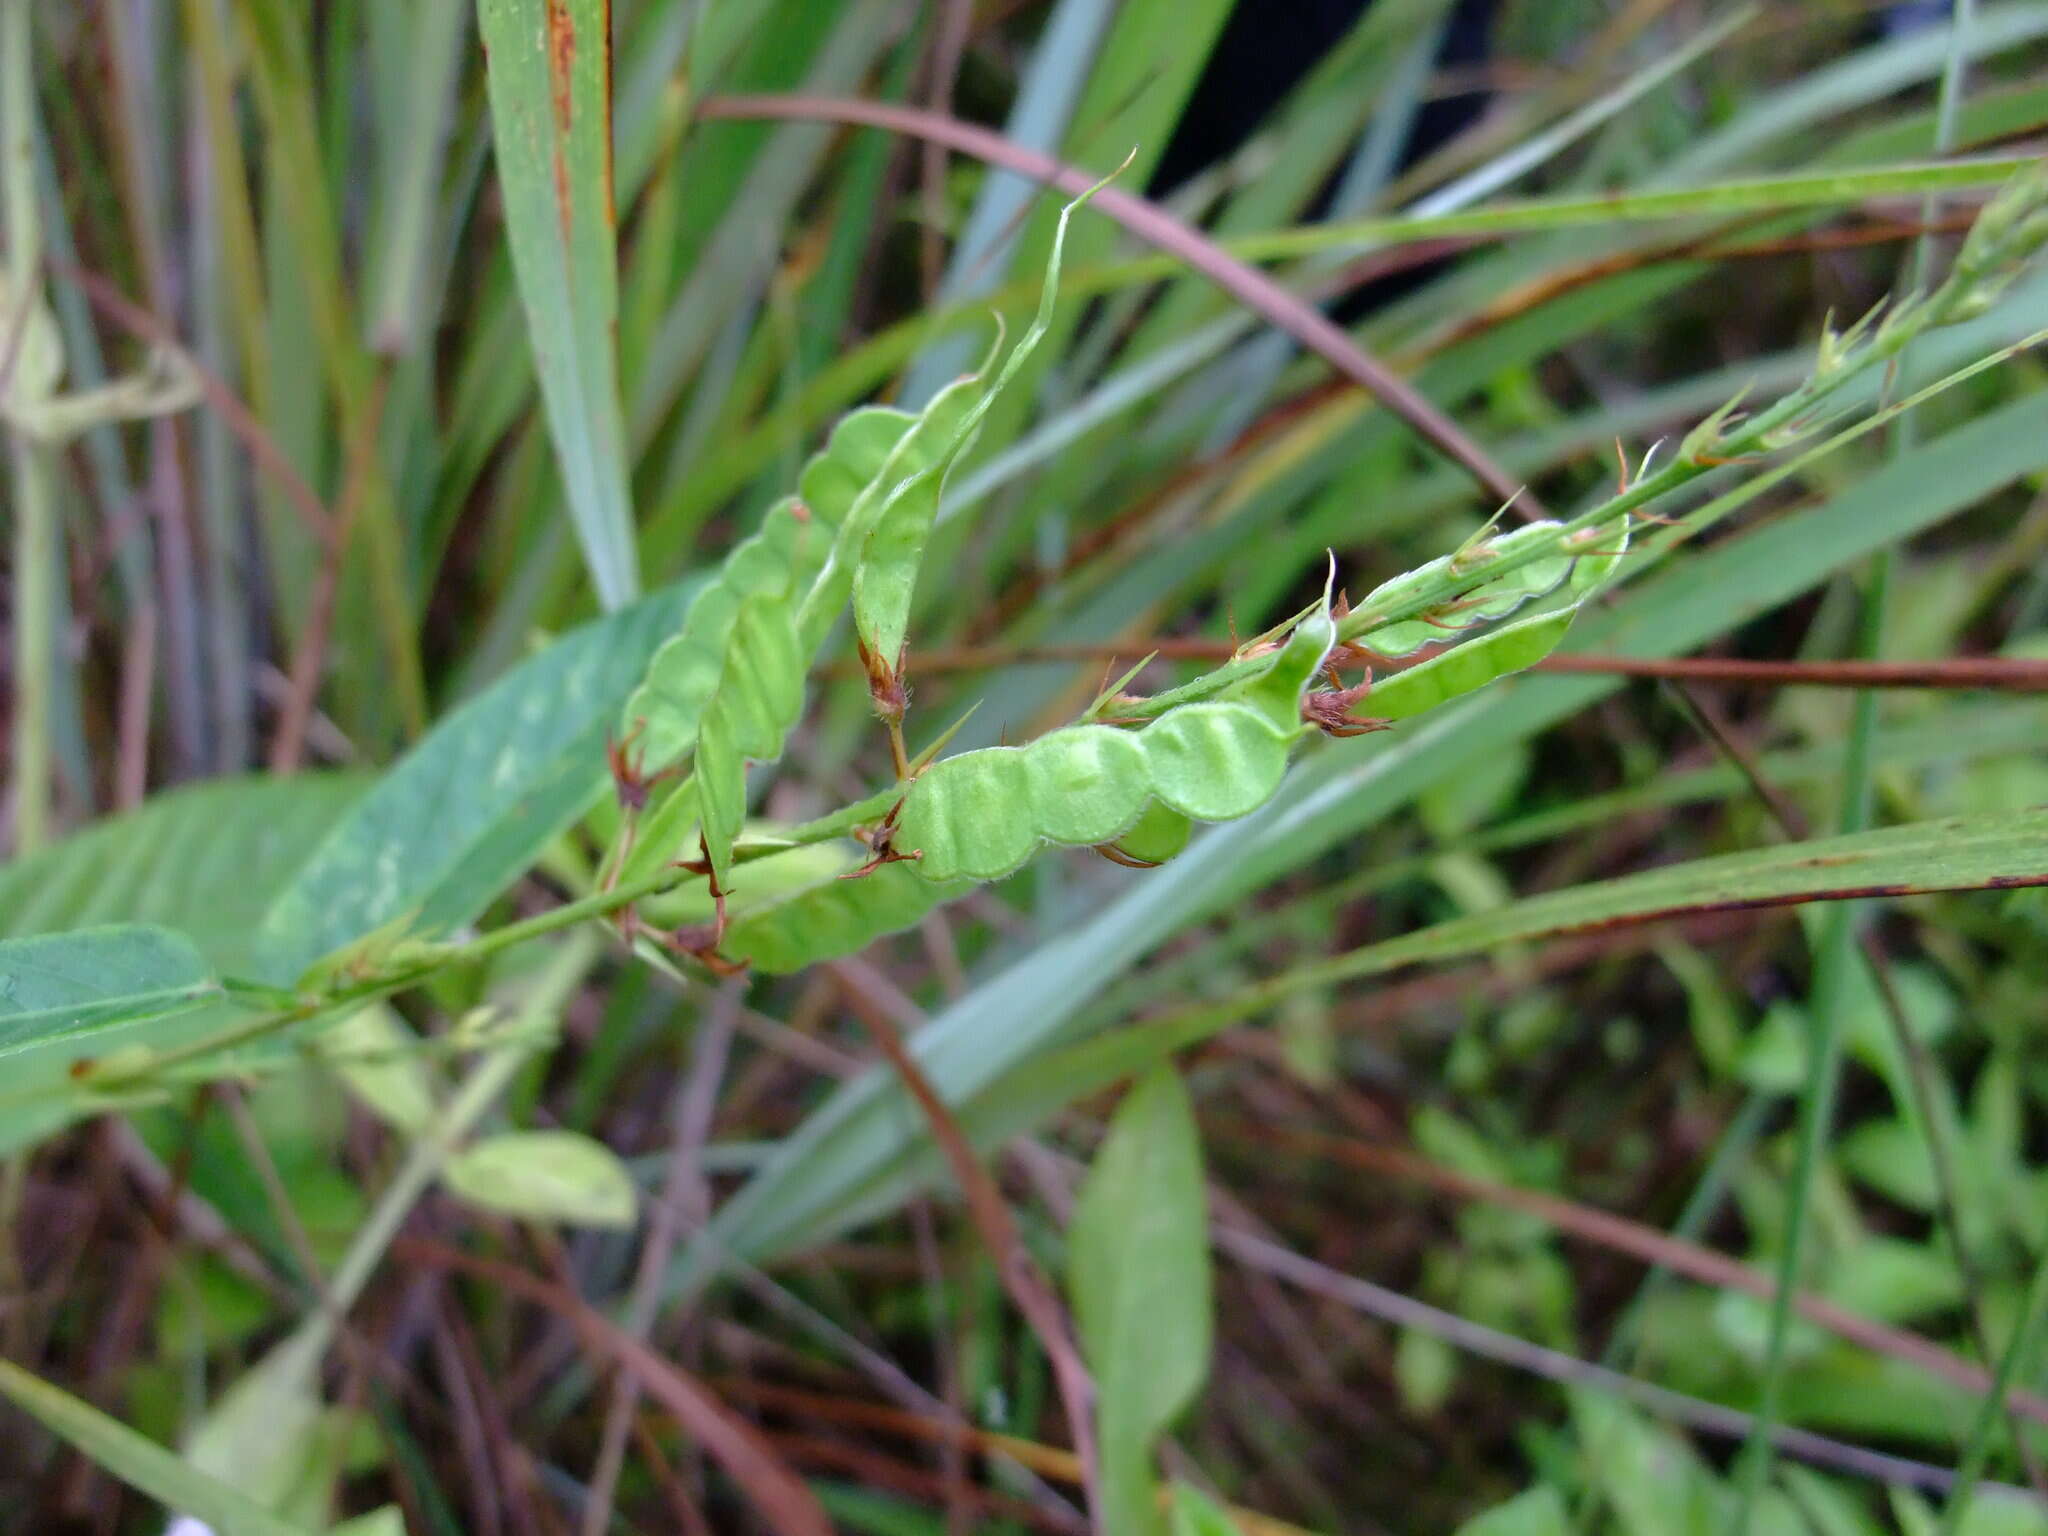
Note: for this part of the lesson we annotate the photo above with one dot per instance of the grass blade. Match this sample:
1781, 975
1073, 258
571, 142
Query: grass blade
550, 88
138, 1461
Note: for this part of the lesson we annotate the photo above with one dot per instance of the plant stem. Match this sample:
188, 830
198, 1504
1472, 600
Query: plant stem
423, 1163
420, 963
2019, 1349
35, 528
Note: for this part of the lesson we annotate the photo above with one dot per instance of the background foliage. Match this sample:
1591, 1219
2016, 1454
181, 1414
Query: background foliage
1509, 1126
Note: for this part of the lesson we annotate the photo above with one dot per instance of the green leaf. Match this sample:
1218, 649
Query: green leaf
140, 1462
206, 859
1425, 1370
545, 1176
549, 69
269, 1434
388, 1521
1138, 1272
1539, 1512
1193, 1513
65, 985
471, 806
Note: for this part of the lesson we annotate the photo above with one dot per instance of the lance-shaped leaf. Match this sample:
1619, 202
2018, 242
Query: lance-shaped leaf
471, 806
1138, 1271
63, 985
140, 1462
549, 64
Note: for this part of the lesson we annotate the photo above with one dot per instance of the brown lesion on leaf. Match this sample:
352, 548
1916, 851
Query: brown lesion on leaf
561, 66
604, 31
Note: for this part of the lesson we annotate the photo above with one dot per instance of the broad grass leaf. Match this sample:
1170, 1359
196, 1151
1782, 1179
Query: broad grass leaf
471, 806
140, 1462
269, 1433
61, 986
545, 1176
549, 70
1958, 853
1192, 1512
1538, 1512
205, 859
1138, 1276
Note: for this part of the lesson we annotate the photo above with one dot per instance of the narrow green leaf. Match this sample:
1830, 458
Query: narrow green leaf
140, 1462
268, 1434
1138, 1271
469, 808
64, 985
545, 1176
549, 68
1958, 853
1194, 1513
1539, 1512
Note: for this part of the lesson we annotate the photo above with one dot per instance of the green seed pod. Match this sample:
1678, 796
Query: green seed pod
833, 917
891, 543
1156, 836
1215, 762
1474, 663
1483, 598
793, 909
1086, 783
970, 817
1466, 667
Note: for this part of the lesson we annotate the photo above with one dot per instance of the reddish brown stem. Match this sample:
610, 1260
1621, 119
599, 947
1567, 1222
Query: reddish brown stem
2003, 674
1153, 224
1025, 1282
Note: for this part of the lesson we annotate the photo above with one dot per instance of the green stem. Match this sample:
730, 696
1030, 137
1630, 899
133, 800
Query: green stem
35, 527
2026, 1334
423, 1163
1836, 965
1839, 952
420, 963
